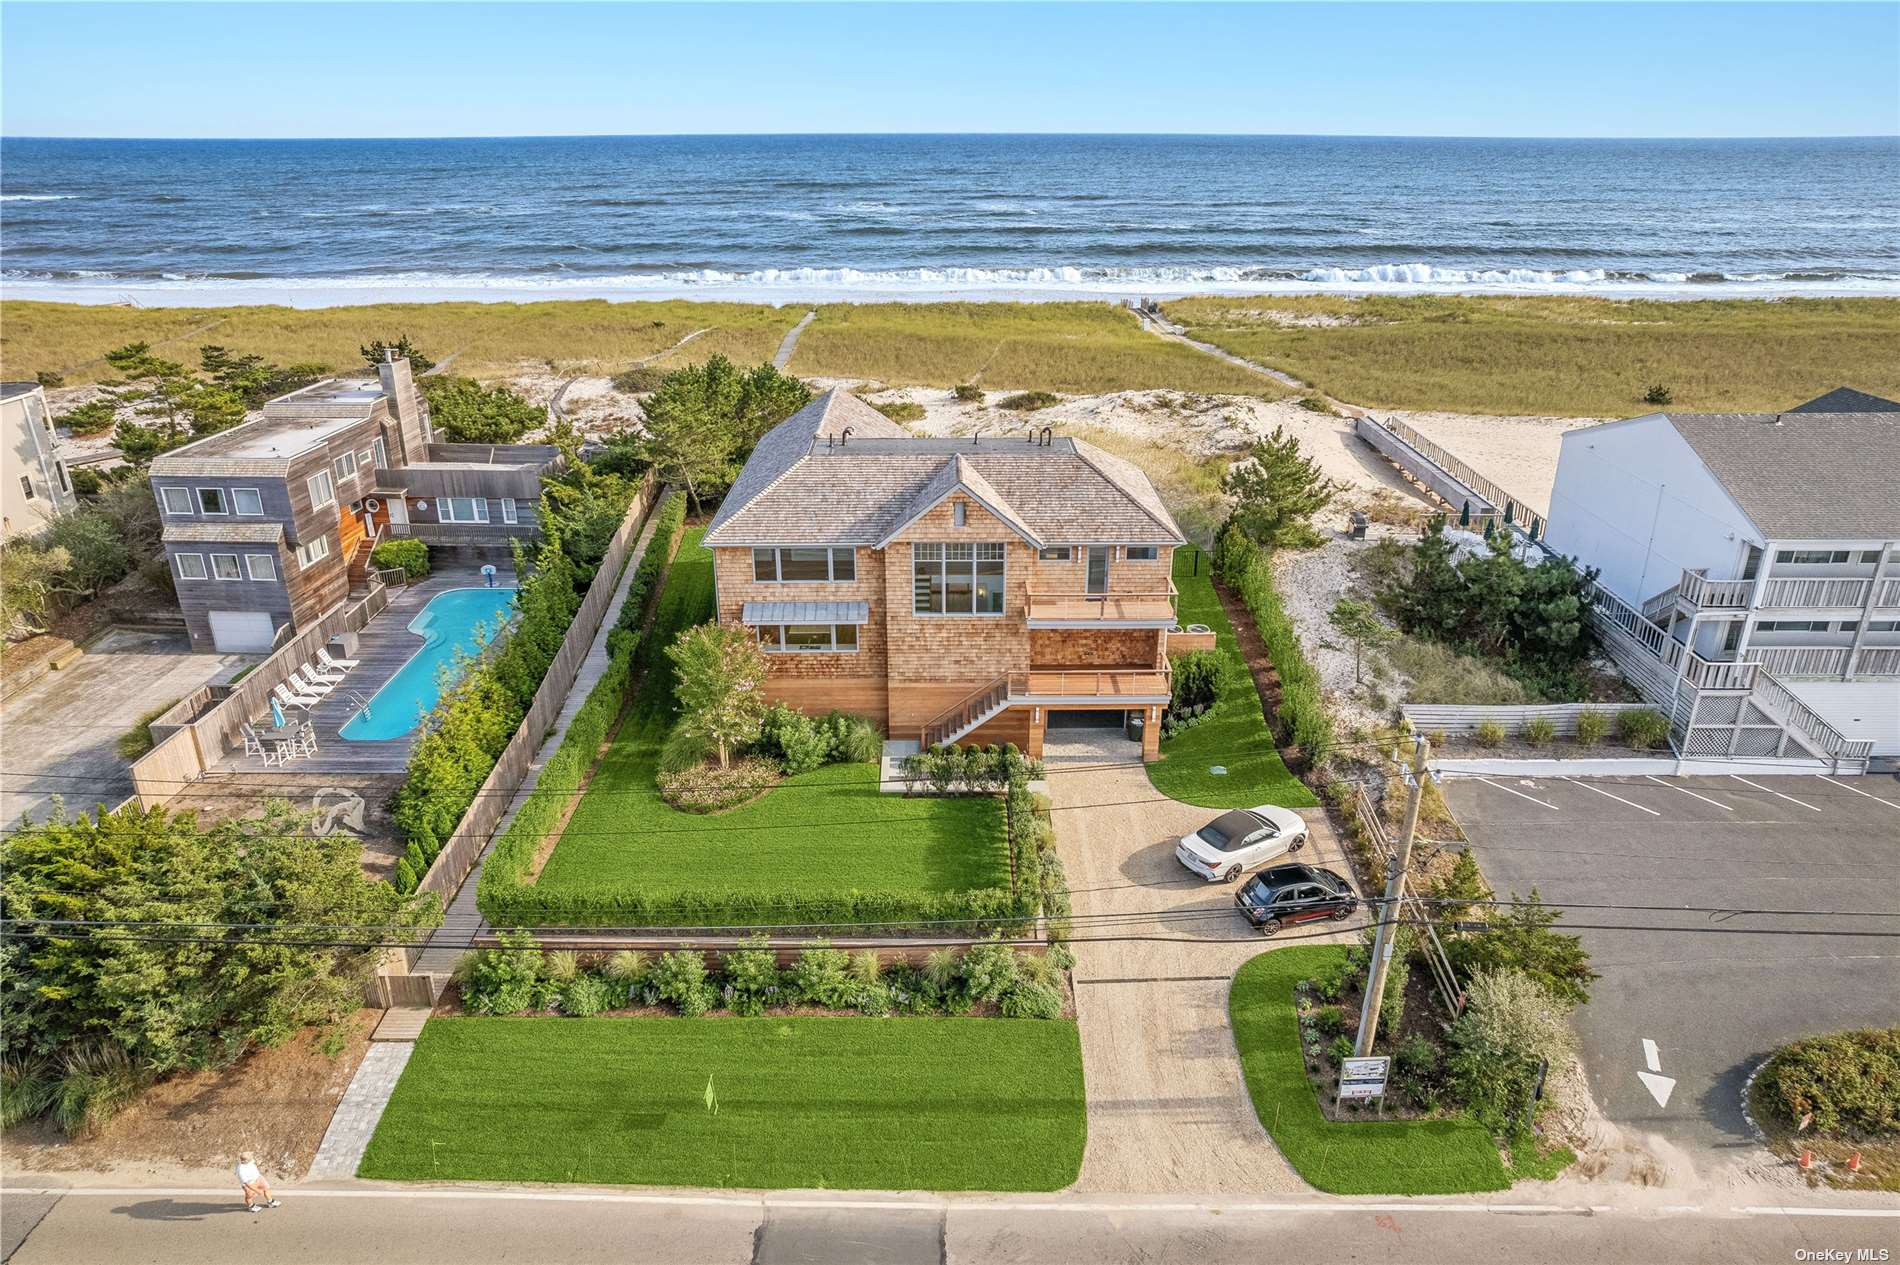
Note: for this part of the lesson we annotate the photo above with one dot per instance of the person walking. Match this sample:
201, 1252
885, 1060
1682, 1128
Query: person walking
251, 1182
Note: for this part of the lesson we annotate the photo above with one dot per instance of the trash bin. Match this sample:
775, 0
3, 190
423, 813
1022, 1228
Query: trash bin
1133, 725
1358, 525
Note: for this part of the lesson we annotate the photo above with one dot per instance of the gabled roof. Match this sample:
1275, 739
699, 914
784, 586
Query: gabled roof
799, 488
958, 475
1804, 475
1847, 400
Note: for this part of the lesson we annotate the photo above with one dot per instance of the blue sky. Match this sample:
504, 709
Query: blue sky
283, 70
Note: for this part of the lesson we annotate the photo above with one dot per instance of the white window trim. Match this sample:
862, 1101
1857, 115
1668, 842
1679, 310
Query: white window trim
243, 513
190, 510
236, 566
312, 552
178, 562
224, 498
831, 564
270, 564
325, 499
380, 451
508, 511
339, 461
834, 648
445, 506
970, 614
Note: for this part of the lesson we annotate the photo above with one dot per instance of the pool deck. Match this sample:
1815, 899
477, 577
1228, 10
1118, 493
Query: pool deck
382, 647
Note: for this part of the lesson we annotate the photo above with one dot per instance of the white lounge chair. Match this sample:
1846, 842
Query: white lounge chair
302, 698
333, 663
317, 672
309, 685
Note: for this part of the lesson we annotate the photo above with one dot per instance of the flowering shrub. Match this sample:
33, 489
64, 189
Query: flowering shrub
707, 788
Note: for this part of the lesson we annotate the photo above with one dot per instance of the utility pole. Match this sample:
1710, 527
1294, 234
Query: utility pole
1382, 941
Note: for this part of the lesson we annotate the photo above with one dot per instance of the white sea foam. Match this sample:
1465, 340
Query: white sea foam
843, 284
37, 197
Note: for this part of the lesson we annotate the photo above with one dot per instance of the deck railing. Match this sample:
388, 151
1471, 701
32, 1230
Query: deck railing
1878, 661
1814, 729
1520, 511
1787, 594
1701, 592
1071, 606
965, 714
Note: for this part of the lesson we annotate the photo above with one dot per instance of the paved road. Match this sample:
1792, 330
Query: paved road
1167, 1108
1715, 993
59, 736
456, 1227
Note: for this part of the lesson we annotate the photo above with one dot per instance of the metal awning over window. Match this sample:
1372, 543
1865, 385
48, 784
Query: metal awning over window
806, 613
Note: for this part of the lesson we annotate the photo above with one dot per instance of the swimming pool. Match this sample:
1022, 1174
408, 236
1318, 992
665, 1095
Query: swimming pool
448, 625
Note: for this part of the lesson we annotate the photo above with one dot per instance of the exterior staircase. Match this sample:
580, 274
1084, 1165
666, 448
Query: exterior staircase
982, 705
1661, 604
1721, 709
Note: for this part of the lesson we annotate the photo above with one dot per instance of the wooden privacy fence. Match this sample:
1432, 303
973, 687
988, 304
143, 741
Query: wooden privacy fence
472, 833
1448, 718
196, 745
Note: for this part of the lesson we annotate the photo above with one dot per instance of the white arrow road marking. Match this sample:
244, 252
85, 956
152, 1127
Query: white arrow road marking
1659, 1086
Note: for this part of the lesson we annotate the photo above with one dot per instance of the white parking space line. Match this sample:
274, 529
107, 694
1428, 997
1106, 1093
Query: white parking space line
1692, 795
1520, 794
1772, 791
1844, 786
1618, 798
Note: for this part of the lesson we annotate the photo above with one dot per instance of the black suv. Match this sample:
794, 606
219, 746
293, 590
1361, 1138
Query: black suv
1287, 894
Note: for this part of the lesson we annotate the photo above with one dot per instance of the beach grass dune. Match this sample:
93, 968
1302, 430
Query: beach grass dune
1575, 357
1079, 348
486, 338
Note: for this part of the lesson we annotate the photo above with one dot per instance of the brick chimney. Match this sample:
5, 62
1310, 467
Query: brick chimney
405, 406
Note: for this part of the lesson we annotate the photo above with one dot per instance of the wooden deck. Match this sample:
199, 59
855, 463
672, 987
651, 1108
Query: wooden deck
382, 647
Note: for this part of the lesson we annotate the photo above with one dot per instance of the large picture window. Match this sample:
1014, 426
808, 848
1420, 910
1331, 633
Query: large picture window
808, 638
811, 564
463, 509
957, 579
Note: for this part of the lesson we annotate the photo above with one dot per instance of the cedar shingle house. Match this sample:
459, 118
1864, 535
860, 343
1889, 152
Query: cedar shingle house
953, 590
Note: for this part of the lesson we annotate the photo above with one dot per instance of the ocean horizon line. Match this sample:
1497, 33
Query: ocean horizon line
1708, 138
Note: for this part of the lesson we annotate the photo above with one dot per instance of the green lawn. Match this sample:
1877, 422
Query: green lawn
824, 832
901, 1104
1410, 1157
1236, 738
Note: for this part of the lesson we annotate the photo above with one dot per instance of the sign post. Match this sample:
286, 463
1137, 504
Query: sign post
1363, 1078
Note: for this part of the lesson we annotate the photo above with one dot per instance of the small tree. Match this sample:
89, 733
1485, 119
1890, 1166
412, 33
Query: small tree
720, 686
1276, 492
29, 575
1355, 621
1510, 1025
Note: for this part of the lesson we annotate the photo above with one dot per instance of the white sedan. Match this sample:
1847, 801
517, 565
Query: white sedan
1239, 840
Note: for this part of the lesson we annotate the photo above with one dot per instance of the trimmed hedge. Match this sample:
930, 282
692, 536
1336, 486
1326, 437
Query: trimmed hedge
1243, 567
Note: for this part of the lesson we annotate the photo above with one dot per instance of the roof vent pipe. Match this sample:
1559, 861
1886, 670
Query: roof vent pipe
844, 435
1048, 436
976, 437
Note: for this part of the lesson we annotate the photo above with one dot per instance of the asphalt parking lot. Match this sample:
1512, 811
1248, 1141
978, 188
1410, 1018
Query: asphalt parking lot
1713, 992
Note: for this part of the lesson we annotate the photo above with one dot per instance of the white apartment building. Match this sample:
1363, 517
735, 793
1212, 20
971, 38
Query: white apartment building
1750, 570
36, 488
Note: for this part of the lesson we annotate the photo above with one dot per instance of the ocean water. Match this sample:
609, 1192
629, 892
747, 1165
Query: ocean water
800, 218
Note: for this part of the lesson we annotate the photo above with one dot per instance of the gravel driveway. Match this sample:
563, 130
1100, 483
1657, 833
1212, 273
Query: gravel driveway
1167, 1109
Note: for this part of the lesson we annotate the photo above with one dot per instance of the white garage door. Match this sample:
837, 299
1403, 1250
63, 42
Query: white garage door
236, 631
1859, 709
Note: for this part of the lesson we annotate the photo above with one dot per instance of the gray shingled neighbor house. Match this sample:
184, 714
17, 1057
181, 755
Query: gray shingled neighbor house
1752, 567
969, 590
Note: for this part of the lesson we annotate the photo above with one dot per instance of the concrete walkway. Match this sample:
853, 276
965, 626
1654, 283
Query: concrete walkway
360, 1111
462, 919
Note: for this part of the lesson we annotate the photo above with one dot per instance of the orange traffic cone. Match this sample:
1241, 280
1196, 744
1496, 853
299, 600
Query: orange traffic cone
1807, 1160
1853, 1162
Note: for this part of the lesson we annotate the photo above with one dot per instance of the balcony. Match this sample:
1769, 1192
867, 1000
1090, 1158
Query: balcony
1101, 610
1702, 593
1055, 686
1814, 594
1827, 661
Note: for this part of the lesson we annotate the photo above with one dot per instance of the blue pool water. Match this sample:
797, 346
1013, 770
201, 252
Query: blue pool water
448, 626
